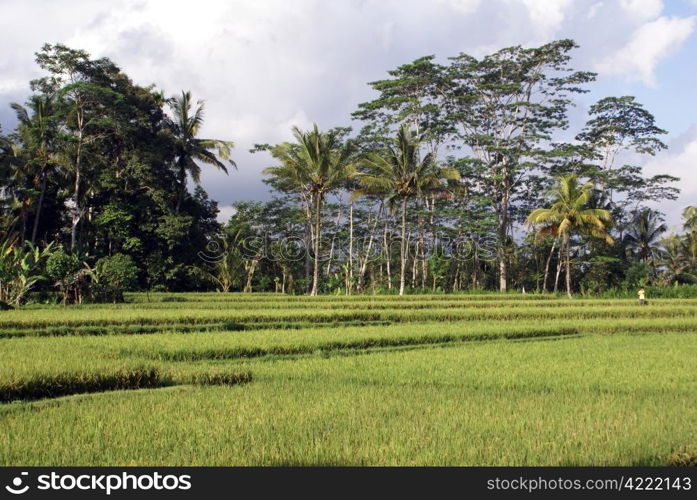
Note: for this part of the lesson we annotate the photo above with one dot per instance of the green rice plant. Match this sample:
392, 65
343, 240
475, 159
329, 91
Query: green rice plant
226, 378
429, 380
40, 319
592, 400
54, 385
367, 342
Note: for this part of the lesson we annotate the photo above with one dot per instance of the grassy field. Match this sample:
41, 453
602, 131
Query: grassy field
227, 379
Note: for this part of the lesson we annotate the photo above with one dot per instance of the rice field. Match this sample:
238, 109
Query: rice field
267, 379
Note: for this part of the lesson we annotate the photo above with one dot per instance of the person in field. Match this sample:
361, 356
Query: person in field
642, 297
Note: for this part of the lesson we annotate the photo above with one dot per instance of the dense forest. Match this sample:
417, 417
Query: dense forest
458, 176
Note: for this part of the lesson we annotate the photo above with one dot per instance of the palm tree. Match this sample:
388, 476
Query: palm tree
400, 174
16, 188
189, 148
644, 235
690, 216
38, 133
316, 164
675, 260
567, 216
8, 219
690, 225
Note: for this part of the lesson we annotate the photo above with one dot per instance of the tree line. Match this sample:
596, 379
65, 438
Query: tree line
464, 175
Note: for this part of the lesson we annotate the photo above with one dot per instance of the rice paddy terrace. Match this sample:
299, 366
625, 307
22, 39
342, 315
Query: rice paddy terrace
267, 379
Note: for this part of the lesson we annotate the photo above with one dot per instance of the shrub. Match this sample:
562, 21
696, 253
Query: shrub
115, 275
19, 270
62, 269
637, 274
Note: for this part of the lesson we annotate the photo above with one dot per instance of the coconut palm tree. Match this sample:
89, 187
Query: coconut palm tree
675, 260
690, 225
38, 132
568, 216
15, 190
690, 216
190, 149
644, 235
8, 218
400, 174
316, 164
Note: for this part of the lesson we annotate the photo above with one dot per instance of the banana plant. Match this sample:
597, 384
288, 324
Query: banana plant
20, 267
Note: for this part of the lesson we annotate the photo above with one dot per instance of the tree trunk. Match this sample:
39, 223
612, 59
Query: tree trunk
422, 248
250, 275
568, 265
318, 221
414, 263
77, 212
331, 257
39, 206
549, 260
403, 247
350, 257
502, 234
331, 248
388, 268
503, 271
501, 254
364, 261
24, 216
182, 189
559, 264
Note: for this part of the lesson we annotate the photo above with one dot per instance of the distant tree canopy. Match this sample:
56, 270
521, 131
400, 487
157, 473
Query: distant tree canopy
456, 180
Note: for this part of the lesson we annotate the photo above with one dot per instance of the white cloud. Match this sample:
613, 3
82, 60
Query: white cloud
680, 161
547, 16
263, 66
648, 46
642, 9
593, 10
10, 86
465, 6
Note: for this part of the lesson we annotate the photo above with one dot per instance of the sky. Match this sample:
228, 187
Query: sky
263, 66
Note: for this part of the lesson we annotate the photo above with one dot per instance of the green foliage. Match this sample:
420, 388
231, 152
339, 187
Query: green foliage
569, 215
462, 150
115, 275
401, 401
316, 164
20, 270
62, 269
189, 148
638, 274
52, 386
222, 378
96, 157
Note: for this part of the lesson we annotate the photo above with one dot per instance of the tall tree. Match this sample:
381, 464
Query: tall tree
411, 96
401, 175
316, 164
84, 97
568, 216
690, 225
37, 130
617, 126
643, 237
189, 148
506, 106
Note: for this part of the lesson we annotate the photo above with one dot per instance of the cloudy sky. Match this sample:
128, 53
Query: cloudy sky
265, 65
